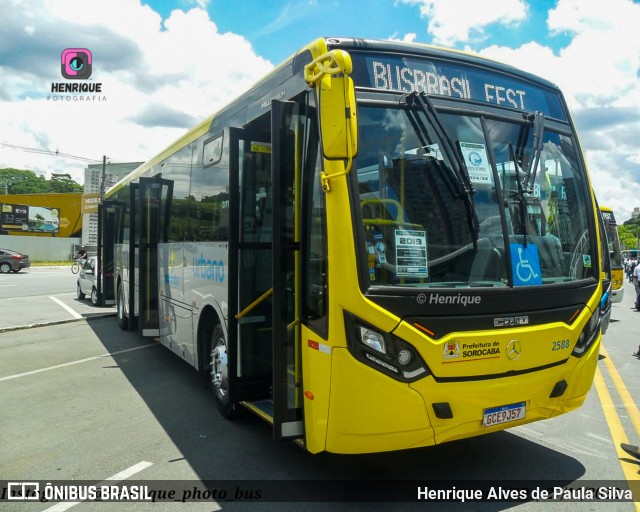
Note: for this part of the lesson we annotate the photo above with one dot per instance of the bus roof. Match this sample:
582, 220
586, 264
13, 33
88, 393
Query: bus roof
314, 49
427, 50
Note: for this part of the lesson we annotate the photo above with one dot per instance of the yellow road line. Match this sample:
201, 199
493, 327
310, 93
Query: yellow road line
627, 400
617, 433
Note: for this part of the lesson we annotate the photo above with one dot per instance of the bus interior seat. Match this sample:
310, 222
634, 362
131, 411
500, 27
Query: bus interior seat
487, 263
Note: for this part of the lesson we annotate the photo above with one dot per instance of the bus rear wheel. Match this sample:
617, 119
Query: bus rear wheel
219, 366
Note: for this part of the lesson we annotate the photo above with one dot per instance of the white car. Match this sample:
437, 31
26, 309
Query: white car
87, 281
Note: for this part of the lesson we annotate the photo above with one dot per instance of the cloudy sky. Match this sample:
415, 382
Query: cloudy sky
165, 65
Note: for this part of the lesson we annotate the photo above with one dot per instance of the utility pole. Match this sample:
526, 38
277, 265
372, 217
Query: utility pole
103, 179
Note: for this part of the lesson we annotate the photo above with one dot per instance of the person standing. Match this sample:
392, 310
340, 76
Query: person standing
636, 284
632, 263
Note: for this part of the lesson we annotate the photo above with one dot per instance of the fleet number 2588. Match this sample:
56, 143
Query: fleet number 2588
560, 345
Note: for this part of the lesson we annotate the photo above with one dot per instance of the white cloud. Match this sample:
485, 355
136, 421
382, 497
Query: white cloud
453, 21
410, 37
598, 74
176, 72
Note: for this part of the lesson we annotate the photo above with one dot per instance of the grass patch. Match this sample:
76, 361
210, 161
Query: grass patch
51, 263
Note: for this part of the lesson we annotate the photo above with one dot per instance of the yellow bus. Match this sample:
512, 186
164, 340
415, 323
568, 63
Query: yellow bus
615, 254
378, 246
606, 301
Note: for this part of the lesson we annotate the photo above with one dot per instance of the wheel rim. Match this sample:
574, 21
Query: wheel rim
219, 368
94, 297
5, 268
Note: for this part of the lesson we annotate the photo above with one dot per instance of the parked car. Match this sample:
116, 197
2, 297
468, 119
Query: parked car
13, 261
87, 281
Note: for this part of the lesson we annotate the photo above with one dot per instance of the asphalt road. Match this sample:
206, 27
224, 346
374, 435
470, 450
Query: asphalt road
42, 296
85, 401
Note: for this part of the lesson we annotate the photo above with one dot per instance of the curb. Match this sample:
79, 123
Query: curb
55, 322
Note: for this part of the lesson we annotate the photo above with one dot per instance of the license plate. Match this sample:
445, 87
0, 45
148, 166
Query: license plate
503, 414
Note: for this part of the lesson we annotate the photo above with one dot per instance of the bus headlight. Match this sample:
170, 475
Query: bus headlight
384, 351
588, 334
373, 339
404, 357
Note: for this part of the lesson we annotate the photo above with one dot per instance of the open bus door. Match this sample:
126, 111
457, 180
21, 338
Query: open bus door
110, 218
263, 363
287, 366
154, 210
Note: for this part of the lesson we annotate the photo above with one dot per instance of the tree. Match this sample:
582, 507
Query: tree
63, 183
629, 234
20, 181
16, 181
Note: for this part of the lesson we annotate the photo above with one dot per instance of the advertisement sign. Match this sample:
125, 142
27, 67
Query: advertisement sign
90, 202
34, 219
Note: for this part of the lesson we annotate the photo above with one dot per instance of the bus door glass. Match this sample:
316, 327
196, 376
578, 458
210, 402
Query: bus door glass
132, 273
286, 130
110, 225
154, 208
250, 260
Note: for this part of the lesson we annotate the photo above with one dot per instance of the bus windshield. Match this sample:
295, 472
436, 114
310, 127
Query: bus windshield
613, 242
513, 214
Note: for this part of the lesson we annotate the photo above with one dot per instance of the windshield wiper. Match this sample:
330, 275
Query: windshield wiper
453, 152
520, 194
526, 183
538, 129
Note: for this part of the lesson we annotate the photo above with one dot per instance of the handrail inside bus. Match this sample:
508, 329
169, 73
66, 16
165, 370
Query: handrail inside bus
251, 306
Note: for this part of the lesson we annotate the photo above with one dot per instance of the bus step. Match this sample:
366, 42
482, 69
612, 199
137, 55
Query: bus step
263, 408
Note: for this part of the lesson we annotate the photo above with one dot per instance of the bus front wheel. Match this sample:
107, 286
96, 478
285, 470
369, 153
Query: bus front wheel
220, 373
123, 321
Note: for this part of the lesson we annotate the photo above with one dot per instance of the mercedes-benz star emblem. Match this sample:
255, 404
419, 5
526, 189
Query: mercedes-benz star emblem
514, 349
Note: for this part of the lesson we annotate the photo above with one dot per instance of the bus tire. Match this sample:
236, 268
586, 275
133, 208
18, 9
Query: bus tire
219, 372
123, 321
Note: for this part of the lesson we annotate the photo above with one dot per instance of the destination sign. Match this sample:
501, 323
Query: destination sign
454, 80
608, 216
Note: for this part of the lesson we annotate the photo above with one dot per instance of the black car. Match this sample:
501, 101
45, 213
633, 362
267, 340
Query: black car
12, 261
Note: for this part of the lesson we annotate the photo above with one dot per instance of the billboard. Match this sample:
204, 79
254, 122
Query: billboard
33, 219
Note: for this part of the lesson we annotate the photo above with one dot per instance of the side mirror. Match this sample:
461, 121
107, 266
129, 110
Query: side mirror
338, 117
329, 73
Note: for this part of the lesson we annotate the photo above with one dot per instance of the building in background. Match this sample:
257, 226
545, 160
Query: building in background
91, 197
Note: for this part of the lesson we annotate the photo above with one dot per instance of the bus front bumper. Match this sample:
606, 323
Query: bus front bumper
369, 412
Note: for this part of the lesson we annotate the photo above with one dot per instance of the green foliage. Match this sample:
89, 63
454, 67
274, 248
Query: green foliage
632, 223
64, 183
19, 181
629, 233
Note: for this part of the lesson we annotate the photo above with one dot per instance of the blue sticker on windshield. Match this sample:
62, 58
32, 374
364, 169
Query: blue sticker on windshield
525, 265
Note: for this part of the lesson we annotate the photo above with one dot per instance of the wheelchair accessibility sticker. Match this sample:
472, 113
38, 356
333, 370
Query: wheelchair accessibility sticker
525, 265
